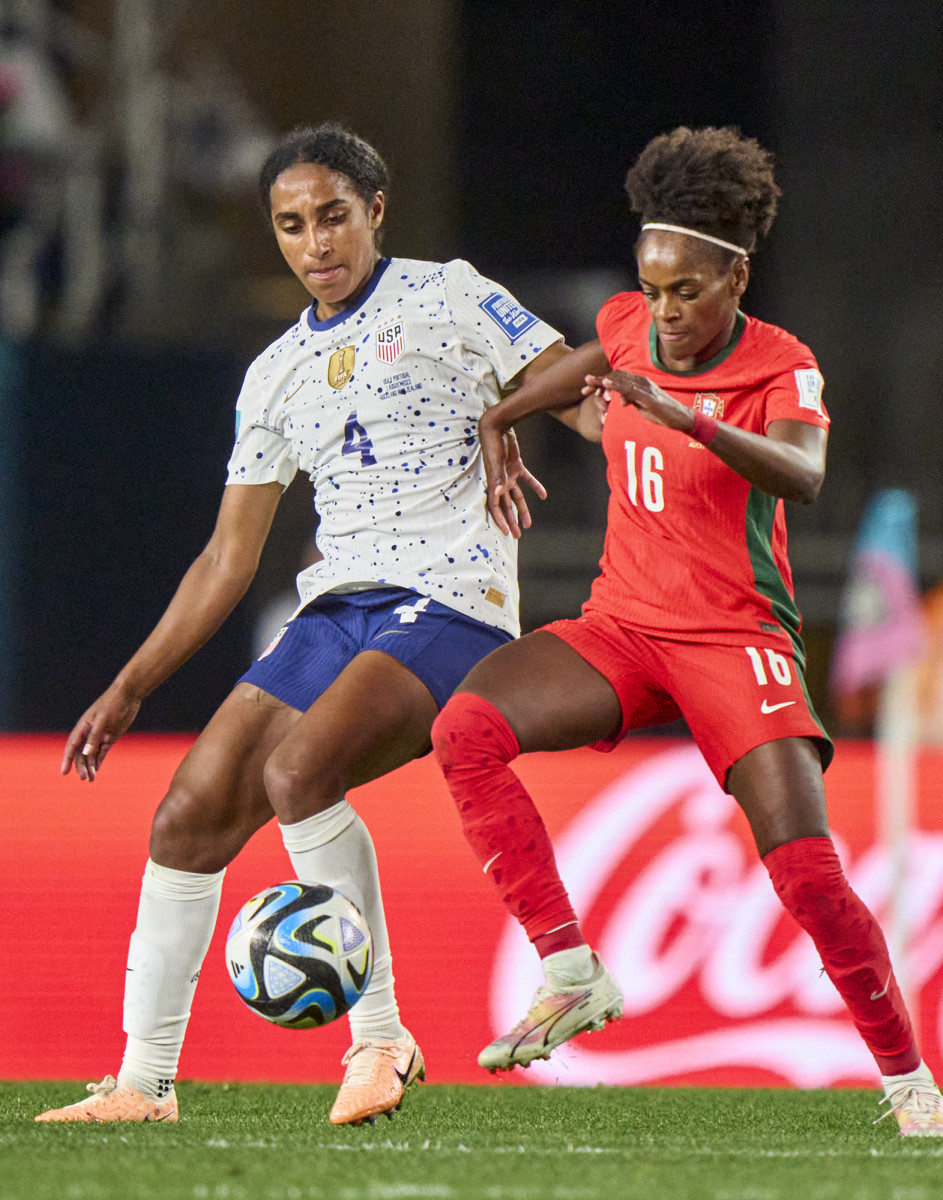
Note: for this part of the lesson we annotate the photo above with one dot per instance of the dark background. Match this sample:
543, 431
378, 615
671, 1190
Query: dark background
508, 128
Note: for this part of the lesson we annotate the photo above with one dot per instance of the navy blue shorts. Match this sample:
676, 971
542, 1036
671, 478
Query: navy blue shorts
440, 646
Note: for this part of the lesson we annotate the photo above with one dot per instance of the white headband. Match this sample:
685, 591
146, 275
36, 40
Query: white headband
706, 237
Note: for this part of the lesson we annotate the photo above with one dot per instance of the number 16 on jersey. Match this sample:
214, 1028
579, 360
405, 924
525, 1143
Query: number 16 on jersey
653, 486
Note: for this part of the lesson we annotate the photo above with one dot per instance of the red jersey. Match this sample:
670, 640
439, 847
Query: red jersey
693, 551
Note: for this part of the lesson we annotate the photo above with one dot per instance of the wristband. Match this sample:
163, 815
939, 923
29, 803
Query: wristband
705, 428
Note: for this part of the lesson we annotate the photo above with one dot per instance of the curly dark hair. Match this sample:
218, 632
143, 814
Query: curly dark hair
332, 146
713, 180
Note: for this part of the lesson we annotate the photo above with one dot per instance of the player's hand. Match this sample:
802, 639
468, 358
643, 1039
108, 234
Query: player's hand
97, 731
652, 402
513, 502
505, 473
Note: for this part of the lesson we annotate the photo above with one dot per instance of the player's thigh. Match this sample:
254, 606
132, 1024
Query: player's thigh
780, 788
373, 718
548, 693
737, 698
217, 797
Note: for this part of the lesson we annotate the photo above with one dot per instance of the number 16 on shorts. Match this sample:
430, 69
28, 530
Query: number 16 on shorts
770, 667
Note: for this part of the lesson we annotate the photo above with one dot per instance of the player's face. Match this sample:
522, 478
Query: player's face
326, 233
692, 297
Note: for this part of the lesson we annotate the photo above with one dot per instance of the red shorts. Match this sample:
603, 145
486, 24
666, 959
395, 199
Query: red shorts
733, 698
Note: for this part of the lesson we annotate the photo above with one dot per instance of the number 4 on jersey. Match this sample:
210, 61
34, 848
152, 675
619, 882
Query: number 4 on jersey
357, 442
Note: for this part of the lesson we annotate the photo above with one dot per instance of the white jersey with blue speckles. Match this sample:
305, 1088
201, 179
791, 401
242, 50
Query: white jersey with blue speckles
379, 406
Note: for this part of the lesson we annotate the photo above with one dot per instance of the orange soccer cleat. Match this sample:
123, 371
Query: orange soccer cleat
377, 1075
109, 1102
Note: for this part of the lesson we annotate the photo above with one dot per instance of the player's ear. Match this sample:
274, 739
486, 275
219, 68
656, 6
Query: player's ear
376, 210
741, 276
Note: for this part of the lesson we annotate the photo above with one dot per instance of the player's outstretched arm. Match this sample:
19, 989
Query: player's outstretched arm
552, 382
208, 592
787, 461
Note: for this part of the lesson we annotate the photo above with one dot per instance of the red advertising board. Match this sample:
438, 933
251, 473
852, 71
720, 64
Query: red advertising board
721, 987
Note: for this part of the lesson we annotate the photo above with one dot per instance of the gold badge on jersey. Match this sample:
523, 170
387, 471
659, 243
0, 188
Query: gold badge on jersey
340, 367
711, 405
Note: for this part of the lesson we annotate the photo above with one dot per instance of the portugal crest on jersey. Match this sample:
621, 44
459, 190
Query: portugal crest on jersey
390, 342
711, 405
340, 367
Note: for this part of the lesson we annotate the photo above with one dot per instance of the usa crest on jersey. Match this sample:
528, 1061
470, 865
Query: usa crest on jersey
390, 342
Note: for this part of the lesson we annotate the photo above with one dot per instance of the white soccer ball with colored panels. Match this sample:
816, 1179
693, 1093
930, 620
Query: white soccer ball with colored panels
299, 955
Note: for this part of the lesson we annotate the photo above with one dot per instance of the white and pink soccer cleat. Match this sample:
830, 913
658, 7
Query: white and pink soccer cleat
918, 1107
557, 1014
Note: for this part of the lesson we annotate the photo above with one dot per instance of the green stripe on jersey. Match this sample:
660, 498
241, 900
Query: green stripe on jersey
760, 513
761, 510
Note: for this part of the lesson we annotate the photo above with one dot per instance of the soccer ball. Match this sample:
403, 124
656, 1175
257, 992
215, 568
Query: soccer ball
299, 954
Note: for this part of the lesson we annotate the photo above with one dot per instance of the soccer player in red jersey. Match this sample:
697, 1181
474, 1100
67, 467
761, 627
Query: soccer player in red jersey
714, 419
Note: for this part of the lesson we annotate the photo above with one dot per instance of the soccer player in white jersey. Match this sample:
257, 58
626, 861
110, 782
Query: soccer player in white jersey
376, 394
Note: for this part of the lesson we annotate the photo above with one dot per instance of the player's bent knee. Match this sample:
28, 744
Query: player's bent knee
184, 837
470, 731
296, 792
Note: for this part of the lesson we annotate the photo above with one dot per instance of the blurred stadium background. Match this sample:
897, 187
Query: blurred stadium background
137, 278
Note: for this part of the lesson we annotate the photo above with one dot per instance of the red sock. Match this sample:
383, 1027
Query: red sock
474, 743
809, 880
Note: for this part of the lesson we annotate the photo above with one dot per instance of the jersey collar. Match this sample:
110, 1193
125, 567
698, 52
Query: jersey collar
343, 315
739, 325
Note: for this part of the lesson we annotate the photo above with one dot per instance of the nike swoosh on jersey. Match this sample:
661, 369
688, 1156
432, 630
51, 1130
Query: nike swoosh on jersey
766, 707
878, 995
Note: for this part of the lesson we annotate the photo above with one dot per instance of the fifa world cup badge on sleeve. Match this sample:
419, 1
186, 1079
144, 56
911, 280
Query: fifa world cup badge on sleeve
809, 383
508, 315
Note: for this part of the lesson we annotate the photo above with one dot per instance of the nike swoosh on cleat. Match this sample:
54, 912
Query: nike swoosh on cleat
766, 707
404, 1076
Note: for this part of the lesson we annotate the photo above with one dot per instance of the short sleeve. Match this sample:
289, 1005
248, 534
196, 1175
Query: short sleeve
261, 454
620, 324
796, 396
492, 323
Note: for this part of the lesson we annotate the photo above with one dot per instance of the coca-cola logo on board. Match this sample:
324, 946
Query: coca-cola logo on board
719, 982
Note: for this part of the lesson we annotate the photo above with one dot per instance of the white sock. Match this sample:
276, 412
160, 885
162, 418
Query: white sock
920, 1075
568, 967
335, 848
176, 918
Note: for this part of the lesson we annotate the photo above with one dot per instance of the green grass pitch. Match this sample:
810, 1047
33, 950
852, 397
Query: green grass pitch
262, 1142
